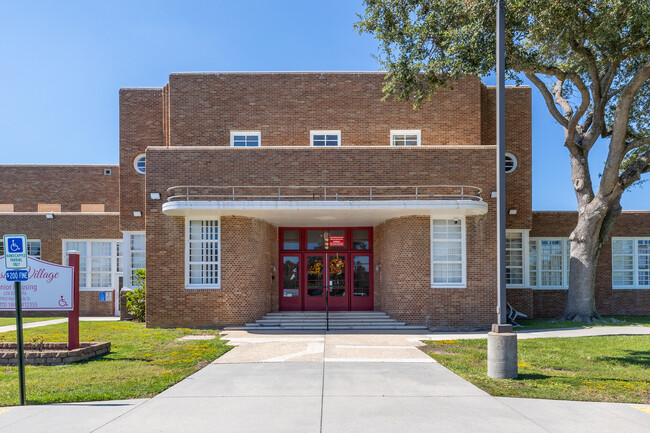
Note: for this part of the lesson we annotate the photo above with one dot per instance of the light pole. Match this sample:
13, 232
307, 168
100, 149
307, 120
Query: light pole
502, 342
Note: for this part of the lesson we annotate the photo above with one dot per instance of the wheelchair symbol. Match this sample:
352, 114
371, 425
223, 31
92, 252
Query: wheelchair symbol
62, 302
14, 247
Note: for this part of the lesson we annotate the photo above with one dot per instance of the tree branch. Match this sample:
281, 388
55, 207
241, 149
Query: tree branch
548, 98
637, 143
584, 105
634, 171
617, 144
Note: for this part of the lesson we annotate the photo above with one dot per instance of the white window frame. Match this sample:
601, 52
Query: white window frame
635, 263
416, 132
127, 257
189, 286
525, 238
257, 134
324, 132
566, 257
463, 283
85, 286
135, 163
29, 248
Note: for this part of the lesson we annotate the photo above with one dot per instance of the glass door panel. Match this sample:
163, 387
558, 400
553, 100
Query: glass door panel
290, 276
315, 282
361, 282
337, 272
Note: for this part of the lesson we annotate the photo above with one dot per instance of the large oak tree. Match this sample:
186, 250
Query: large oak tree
589, 59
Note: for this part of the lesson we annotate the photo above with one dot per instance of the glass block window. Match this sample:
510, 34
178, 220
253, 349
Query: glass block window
514, 258
447, 253
137, 254
245, 138
325, 138
405, 138
33, 248
631, 263
203, 253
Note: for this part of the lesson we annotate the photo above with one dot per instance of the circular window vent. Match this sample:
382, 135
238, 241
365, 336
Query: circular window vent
138, 164
511, 163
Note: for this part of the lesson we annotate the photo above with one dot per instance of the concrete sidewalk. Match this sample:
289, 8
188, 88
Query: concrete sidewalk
327, 382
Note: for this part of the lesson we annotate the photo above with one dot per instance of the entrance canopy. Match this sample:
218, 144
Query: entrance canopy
324, 205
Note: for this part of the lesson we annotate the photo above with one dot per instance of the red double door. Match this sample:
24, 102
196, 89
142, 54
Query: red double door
322, 267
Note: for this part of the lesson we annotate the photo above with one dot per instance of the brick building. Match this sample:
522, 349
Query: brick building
283, 191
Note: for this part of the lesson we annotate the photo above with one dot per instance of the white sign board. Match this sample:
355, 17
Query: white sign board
50, 287
15, 251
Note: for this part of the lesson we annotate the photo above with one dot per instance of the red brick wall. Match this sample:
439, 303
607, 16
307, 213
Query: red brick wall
248, 249
205, 107
51, 233
69, 185
551, 303
141, 125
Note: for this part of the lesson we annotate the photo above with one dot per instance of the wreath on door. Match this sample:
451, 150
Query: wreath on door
336, 266
316, 268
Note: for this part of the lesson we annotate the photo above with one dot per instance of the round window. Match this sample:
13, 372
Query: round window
511, 163
138, 164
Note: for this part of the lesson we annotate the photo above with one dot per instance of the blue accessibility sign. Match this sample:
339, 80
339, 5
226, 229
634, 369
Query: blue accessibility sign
16, 275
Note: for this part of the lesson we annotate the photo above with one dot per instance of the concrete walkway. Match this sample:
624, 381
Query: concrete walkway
327, 382
9, 328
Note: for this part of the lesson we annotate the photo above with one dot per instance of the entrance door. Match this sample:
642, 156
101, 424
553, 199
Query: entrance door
326, 265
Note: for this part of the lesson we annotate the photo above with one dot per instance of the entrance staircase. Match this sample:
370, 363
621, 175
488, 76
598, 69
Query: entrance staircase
316, 320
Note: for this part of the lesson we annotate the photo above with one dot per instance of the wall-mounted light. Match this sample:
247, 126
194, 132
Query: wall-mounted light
493, 194
155, 196
137, 213
49, 216
512, 212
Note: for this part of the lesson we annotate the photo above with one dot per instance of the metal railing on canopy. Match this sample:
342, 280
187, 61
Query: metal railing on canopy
323, 193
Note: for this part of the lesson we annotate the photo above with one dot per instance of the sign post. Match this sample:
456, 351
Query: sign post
16, 259
73, 316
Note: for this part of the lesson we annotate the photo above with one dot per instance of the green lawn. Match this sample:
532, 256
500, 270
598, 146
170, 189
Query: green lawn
4, 321
611, 368
142, 363
607, 321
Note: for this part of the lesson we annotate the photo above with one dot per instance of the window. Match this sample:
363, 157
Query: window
245, 138
202, 252
137, 254
33, 248
139, 164
549, 260
511, 163
631, 263
405, 138
447, 253
325, 138
97, 262
514, 258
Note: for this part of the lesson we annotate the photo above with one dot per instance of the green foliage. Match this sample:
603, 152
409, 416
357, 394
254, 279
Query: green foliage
135, 300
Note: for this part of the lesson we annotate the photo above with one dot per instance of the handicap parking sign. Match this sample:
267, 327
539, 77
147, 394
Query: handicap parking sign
15, 251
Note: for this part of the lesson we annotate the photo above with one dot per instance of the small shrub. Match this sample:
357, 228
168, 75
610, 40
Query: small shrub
37, 341
135, 300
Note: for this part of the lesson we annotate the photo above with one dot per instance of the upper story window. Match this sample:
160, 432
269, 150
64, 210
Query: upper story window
138, 164
405, 137
325, 138
245, 138
631, 263
511, 163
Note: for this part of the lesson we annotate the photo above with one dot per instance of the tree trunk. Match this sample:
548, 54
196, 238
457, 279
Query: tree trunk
585, 249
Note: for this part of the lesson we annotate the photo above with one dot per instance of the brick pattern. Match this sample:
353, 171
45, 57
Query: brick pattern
249, 250
52, 353
141, 125
51, 233
25, 186
551, 303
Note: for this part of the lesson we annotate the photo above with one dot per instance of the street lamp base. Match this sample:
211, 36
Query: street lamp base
502, 352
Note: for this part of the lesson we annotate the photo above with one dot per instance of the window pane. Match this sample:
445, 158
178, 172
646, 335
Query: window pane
315, 240
291, 240
360, 239
446, 252
203, 245
361, 276
290, 276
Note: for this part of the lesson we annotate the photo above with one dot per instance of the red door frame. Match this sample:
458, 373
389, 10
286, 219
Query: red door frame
349, 302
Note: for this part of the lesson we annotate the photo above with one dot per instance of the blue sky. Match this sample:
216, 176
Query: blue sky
64, 62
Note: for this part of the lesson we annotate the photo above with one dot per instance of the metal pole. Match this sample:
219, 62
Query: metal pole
501, 172
19, 339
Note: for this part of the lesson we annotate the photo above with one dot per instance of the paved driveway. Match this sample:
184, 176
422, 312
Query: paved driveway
334, 382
